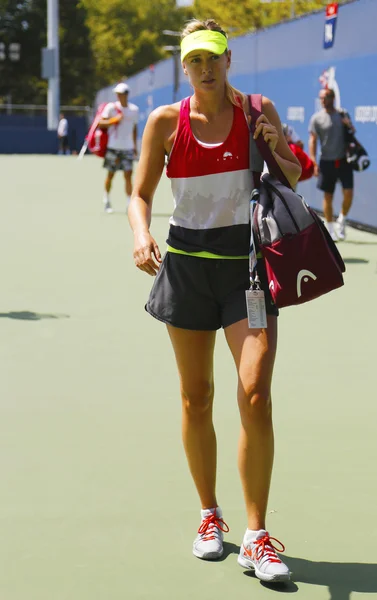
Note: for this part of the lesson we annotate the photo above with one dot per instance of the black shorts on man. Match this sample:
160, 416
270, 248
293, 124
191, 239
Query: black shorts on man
330, 171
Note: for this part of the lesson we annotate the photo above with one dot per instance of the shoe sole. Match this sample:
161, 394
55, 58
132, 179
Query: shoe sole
208, 555
248, 564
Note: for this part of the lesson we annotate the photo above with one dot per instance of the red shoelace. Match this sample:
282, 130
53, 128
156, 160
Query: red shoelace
264, 547
208, 525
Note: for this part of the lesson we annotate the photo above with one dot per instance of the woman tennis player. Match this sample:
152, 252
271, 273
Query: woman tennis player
200, 284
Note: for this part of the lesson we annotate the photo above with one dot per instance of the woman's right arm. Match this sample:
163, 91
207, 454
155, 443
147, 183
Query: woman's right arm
146, 253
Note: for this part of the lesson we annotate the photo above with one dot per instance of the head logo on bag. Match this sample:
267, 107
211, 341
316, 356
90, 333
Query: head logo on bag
304, 274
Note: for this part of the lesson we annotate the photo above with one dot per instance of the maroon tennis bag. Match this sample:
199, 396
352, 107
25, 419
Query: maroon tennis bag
302, 261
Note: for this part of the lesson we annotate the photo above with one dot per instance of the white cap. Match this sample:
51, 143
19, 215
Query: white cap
121, 88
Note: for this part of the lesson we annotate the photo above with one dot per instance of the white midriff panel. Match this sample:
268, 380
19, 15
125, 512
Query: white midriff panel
212, 201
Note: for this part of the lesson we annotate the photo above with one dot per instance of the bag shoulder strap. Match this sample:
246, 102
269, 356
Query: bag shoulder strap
256, 159
255, 107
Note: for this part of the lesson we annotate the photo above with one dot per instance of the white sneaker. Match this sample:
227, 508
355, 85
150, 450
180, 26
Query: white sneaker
108, 207
332, 231
209, 542
334, 236
260, 555
341, 229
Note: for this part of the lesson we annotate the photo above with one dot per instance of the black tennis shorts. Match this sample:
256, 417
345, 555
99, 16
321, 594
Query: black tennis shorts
332, 170
203, 293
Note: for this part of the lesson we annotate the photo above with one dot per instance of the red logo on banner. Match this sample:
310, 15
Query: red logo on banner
332, 9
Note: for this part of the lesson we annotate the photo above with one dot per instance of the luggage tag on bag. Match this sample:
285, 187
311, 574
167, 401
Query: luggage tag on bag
256, 309
255, 301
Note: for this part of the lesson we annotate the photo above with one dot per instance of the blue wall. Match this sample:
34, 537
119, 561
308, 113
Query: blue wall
285, 63
24, 134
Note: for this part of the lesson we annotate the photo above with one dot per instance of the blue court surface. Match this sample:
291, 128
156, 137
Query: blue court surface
96, 499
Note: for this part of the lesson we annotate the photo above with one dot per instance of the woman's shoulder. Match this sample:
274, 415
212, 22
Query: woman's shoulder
267, 102
165, 113
164, 119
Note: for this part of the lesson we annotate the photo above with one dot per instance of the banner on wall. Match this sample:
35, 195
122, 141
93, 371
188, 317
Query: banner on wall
330, 25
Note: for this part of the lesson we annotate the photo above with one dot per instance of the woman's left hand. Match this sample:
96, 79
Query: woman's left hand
269, 132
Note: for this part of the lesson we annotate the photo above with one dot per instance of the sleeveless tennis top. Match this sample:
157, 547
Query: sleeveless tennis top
211, 188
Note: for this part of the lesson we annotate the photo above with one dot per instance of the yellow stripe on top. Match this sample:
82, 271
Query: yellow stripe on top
204, 254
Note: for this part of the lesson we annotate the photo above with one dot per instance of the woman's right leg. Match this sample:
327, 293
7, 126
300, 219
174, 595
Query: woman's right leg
194, 356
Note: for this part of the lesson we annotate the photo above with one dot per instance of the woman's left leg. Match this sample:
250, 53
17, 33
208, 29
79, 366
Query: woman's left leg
254, 354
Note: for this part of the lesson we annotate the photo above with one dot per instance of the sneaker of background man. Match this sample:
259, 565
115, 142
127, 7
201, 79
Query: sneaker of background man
334, 236
209, 542
332, 231
258, 553
341, 227
106, 204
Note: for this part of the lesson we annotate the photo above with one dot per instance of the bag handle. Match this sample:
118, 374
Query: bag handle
255, 108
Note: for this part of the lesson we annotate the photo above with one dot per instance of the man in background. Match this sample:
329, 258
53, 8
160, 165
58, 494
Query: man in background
63, 135
121, 118
329, 126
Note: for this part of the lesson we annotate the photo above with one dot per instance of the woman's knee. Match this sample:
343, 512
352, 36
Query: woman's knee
197, 399
255, 404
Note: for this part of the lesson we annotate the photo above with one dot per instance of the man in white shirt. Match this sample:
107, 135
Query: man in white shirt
63, 135
121, 118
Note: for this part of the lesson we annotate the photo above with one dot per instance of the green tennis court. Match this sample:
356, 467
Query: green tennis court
96, 499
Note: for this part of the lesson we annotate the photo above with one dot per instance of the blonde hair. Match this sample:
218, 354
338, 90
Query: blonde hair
233, 95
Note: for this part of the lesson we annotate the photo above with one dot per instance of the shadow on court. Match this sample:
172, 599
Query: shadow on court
360, 243
229, 548
27, 315
341, 579
355, 261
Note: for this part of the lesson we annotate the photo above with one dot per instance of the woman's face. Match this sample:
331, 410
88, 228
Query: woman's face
206, 71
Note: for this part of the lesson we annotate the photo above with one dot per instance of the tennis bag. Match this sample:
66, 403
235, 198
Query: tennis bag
301, 259
356, 154
97, 138
307, 165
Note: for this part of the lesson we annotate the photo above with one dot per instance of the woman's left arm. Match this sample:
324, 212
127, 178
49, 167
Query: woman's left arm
269, 125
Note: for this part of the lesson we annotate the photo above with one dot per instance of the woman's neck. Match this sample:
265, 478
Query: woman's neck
209, 105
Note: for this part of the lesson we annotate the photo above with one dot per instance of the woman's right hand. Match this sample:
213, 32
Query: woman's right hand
146, 254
